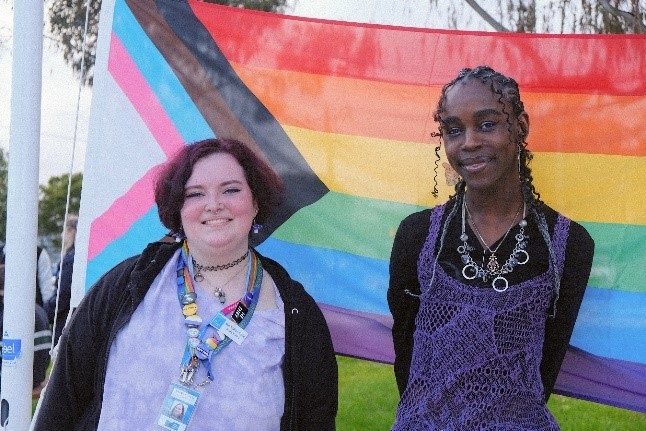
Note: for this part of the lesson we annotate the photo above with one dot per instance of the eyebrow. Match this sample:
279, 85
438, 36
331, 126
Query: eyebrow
478, 114
487, 111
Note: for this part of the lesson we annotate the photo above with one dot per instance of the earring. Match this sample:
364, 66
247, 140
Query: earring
178, 236
255, 227
452, 177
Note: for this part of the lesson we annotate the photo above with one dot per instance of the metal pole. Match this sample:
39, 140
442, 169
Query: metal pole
22, 215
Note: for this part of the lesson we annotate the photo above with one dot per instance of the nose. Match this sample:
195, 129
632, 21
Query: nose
214, 205
471, 139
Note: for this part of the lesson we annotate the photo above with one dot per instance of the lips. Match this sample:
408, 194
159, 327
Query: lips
216, 222
472, 164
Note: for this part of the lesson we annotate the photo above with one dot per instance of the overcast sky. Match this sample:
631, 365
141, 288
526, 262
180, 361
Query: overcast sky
61, 88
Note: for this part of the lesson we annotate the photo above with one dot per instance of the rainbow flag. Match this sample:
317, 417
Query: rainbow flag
344, 113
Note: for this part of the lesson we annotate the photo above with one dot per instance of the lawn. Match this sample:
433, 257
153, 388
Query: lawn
368, 399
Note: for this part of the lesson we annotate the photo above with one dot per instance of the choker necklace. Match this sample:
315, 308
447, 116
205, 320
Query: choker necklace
493, 270
198, 275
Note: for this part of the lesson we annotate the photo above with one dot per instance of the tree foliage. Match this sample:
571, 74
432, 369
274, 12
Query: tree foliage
51, 208
53, 199
262, 5
560, 16
67, 24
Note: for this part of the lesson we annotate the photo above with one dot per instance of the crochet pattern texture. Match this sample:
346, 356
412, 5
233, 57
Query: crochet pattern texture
477, 352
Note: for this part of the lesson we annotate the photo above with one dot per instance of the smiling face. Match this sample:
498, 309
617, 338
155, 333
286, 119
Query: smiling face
218, 209
480, 136
178, 411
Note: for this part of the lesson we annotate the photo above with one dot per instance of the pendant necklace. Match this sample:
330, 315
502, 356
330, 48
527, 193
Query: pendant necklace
219, 292
493, 270
198, 275
492, 265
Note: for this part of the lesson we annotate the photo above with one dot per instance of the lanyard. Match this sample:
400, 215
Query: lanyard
200, 348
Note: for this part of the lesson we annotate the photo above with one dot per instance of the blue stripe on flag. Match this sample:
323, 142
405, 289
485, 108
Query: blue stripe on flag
143, 231
171, 94
611, 324
334, 277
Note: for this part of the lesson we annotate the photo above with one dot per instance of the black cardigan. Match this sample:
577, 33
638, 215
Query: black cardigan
74, 393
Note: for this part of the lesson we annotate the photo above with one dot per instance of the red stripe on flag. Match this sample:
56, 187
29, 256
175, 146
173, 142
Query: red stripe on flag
606, 64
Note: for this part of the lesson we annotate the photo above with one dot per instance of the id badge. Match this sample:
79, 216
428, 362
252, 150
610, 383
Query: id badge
178, 407
229, 328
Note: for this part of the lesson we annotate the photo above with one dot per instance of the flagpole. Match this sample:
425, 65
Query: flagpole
22, 216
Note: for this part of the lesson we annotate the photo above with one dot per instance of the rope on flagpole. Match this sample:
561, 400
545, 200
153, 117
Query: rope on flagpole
53, 350
71, 169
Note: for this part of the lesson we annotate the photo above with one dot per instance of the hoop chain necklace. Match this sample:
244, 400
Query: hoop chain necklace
198, 275
493, 270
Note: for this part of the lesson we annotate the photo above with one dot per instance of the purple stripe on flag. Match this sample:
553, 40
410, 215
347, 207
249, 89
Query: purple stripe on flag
359, 334
602, 380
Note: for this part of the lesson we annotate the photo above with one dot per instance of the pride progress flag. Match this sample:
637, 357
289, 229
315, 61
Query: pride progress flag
344, 113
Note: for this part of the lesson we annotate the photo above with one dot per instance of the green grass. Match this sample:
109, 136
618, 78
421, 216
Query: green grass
368, 398
367, 395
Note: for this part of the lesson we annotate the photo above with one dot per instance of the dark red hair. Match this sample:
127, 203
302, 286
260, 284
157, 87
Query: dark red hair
266, 186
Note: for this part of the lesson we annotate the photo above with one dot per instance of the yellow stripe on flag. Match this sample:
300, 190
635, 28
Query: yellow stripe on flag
593, 187
585, 187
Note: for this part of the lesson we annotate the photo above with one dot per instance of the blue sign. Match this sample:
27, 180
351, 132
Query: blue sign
10, 349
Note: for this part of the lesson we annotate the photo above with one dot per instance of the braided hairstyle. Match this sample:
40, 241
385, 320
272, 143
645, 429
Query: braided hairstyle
508, 93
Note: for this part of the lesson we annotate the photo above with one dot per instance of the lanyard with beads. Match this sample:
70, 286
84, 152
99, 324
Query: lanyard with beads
198, 348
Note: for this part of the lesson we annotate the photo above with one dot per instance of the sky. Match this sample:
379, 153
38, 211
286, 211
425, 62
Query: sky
60, 91
61, 153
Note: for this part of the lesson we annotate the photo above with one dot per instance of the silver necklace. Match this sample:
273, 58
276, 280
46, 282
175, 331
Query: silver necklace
493, 270
492, 264
198, 275
219, 292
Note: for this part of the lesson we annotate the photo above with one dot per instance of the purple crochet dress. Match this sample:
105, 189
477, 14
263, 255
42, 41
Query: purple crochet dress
477, 352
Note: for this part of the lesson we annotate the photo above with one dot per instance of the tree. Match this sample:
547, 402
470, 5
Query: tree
3, 194
559, 16
51, 209
67, 24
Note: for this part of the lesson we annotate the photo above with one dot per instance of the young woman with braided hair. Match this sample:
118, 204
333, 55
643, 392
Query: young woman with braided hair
485, 288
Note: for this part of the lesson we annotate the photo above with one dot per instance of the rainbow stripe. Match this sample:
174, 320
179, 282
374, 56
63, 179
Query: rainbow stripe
344, 113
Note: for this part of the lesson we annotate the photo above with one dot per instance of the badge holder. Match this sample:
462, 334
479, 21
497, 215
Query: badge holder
178, 408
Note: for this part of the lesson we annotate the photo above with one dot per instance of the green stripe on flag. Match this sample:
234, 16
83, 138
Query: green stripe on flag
366, 227
619, 251
351, 224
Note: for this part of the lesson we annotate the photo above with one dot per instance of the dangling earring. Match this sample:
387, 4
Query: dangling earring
255, 227
437, 135
452, 177
178, 236
521, 135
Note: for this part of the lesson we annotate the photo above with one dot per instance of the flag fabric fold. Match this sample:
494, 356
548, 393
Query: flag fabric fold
343, 112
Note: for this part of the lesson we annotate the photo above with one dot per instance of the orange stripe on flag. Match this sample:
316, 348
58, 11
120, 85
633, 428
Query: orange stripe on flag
569, 123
